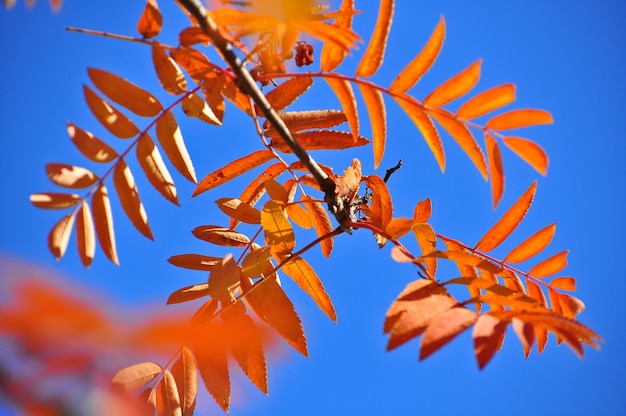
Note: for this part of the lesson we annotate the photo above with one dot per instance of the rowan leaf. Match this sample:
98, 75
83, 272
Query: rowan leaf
375, 105
286, 93
185, 373
128, 194
306, 120
488, 336
455, 87
496, 171
103, 220
423, 211
210, 351
212, 88
169, 73
526, 334
257, 263
345, 95
220, 236
70, 176
508, 222
299, 215
320, 140
193, 61
194, 261
167, 399
135, 376
535, 292
444, 328
171, 139
278, 231
255, 189
303, 274
85, 234
515, 119
189, 293
425, 125
427, 241
90, 146
373, 57
151, 162
412, 73
530, 152
532, 246
550, 266
321, 223
398, 227
193, 35
110, 117
59, 236
125, 93
381, 209
224, 279
333, 54
232, 170
467, 258
564, 283
276, 191
239, 210
487, 101
194, 106
52, 200
150, 21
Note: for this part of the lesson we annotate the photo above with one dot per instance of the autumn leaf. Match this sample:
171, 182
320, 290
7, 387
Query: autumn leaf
487, 101
278, 231
378, 118
287, 92
59, 236
110, 117
455, 87
373, 57
131, 378
69, 176
515, 119
149, 24
532, 246
103, 220
171, 139
54, 200
126, 188
444, 328
90, 146
185, 373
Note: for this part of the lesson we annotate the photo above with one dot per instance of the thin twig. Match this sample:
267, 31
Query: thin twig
391, 171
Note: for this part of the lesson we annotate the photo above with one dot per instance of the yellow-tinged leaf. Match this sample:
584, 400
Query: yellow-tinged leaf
257, 263
209, 347
194, 106
550, 266
464, 137
52, 200
103, 219
169, 73
131, 378
270, 303
455, 87
277, 228
496, 171
321, 223
345, 95
153, 166
381, 209
412, 73
239, 210
526, 334
171, 139
232, 170
85, 234
59, 236
398, 227
276, 191
212, 90
303, 274
532, 245
286, 93
425, 125
530, 152
487, 101
90, 146
375, 105
70, 176
255, 189
467, 258
125, 93
110, 117
332, 54
509, 221
126, 188
320, 140
224, 279
564, 283
373, 57
150, 21
220, 236
299, 215
515, 119
185, 373
306, 120
194, 261
189, 293
488, 336
444, 328
167, 399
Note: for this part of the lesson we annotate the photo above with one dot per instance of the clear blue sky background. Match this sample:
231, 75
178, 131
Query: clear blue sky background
567, 57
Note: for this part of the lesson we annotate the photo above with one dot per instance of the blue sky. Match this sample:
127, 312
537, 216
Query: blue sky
566, 57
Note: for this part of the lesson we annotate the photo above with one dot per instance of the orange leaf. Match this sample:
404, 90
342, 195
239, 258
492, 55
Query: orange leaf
277, 228
111, 118
193, 35
423, 211
306, 120
332, 54
132, 378
427, 240
151, 162
515, 119
488, 336
320, 140
455, 87
85, 235
299, 215
496, 170
210, 351
412, 73
52, 200
535, 292
239, 210
321, 223
189, 293
345, 95
220, 236
255, 189
425, 125
194, 261
103, 219
224, 279
487, 101
530, 152
564, 283
129, 197
90, 146
305, 277
212, 87
167, 399
532, 245
257, 263
444, 328
193, 61
232, 170
348, 184
276, 191
466, 258
270, 303
398, 227
171, 140
185, 373
286, 93
550, 266
463, 136
526, 334
125, 93
149, 24
570, 305
373, 57
381, 209
70, 176
194, 106
59, 236
378, 118
169, 73
509, 221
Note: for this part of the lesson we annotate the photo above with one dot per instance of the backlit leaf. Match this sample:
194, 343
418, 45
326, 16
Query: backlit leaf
373, 57
532, 245
345, 95
212, 89
550, 266
194, 261
151, 162
398, 227
378, 118
232, 170
320, 140
171, 139
276, 191
526, 334
427, 240
467, 258
193, 61
194, 106
381, 209
167, 399
515, 119
103, 219
299, 215
488, 335
185, 373
286, 93
348, 184
423, 211
305, 277
332, 54
131, 378
85, 235
224, 279
189, 293
571, 305
126, 188
70, 176
487, 101
257, 263
530, 152
444, 328
210, 351
169, 73
306, 120
535, 292
455, 87
193, 35
564, 283
125, 93
149, 24
221, 236
90, 146
59, 236
239, 210
52, 200
508, 222
277, 229
321, 223
496, 171
111, 118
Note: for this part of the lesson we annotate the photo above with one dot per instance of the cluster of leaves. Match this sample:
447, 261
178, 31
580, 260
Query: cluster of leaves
286, 198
